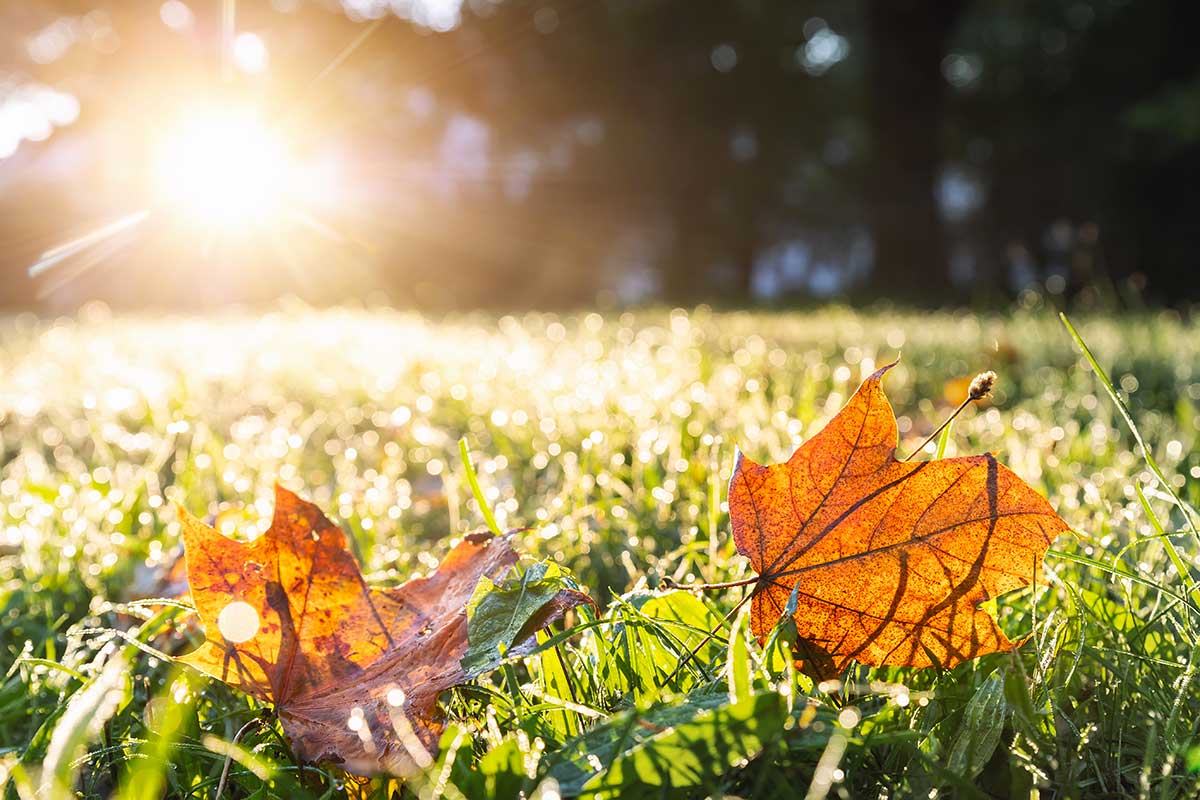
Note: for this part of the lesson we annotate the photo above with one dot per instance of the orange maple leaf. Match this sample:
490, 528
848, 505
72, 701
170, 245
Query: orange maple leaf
889, 560
354, 672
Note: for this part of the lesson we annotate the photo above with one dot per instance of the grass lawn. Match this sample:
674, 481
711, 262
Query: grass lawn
609, 440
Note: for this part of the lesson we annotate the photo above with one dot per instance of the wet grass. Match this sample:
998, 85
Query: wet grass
611, 438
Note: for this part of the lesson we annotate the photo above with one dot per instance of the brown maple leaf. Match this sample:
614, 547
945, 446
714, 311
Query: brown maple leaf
354, 672
889, 560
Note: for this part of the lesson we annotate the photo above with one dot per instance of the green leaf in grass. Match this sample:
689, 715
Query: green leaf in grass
503, 617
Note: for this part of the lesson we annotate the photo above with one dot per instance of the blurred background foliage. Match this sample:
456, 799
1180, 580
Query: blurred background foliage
463, 153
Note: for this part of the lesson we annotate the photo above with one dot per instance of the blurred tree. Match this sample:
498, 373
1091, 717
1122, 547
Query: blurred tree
1067, 111
905, 47
518, 152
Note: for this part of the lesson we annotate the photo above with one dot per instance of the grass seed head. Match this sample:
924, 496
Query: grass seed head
981, 385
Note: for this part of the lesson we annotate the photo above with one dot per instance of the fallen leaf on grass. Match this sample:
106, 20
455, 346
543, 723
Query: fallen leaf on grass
890, 560
354, 672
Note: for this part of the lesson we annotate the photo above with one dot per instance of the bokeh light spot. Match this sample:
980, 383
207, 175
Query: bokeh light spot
238, 622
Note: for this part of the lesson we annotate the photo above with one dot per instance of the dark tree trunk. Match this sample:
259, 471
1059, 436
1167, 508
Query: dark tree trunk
745, 258
906, 93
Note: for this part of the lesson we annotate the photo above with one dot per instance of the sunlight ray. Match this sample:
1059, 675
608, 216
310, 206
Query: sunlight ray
60, 253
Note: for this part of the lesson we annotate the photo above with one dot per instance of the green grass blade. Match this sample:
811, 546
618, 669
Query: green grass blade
1148, 456
1187, 512
944, 439
489, 518
1120, 573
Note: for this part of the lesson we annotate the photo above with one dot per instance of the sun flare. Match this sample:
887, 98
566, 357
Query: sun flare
223, 168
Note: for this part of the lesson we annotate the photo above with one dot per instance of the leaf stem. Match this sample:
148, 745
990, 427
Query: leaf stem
707, 587
696, 650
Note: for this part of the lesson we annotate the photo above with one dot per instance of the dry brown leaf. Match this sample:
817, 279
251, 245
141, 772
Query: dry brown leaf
891, 559
354, 672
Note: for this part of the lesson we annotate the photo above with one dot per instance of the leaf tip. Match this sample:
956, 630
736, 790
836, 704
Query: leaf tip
186, 518
879, 373
283, 493
742, 462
